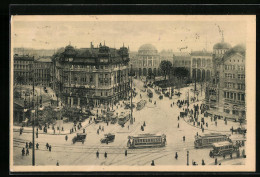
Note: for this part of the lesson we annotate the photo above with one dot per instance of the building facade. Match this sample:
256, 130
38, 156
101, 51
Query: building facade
212, 91
232, 82
91, 76
201, 65
42, 72
182, 59
22, 69
147, 61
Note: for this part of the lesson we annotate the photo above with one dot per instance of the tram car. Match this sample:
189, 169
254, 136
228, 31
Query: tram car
113, 119
223, 148
207, 140
140, 105
146, 141
123, 118
240, 130
149, 93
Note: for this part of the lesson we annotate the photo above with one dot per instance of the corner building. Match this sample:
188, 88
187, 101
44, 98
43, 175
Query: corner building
91, 76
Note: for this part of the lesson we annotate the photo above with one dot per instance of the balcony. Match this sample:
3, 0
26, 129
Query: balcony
227, 100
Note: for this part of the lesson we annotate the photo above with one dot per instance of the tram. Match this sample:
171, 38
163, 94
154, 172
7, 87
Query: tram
123, 118
146, 140
223, 148
140, 105
206, 140
149, 93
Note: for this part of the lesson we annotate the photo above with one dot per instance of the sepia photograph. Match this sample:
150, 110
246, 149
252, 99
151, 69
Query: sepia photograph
132, 93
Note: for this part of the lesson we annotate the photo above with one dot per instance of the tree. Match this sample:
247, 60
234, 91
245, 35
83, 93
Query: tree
166, 67
19, 79
181, 72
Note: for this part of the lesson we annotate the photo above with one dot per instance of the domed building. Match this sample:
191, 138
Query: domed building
148, 60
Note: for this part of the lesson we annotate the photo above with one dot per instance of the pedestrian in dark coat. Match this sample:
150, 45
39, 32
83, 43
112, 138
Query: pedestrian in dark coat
125, 152
183, 138
23, 152
50, 148
105, 154
27, 151
47, 145
216, 161
37, 146
97, 154
152, 164
176, 155
66, 137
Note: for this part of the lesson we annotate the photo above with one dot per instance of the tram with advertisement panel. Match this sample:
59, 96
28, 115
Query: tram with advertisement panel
223, 148
146, 141
206, 140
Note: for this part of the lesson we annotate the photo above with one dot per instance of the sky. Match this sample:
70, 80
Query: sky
172, 34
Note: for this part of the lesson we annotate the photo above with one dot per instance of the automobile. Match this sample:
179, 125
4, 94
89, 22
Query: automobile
167, 94
108, 138
79, 138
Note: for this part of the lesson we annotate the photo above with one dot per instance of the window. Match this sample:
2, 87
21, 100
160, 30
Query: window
242, 97
238, 96
225, 94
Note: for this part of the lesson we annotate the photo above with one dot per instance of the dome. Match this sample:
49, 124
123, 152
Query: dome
236, 49
222, 45
147, 47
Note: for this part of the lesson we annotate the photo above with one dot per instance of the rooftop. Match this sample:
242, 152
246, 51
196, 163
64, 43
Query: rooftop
147, 47
222, 45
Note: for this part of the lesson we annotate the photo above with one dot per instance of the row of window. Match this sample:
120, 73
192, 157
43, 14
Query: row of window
234, 67
234, 96
240, 86
147, 140
22, 62
233, 76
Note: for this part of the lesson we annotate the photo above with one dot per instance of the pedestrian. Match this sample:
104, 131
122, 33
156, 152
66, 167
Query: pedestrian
97, 154
152, 164
75, 129
128, 127
216, 161
176, 155
37, 145
98, 131
125, 152
202, 130
105, 154
84, 130
206, 124
178, 125
27, 151
107, 123
23, 152
21, 131
57, 164
36, 134
183, 138
144, 124
30, 145
202, 163
178, 118
47, 145
50, 148
62, 129
66, 137
26, 144
53, 131
231, 156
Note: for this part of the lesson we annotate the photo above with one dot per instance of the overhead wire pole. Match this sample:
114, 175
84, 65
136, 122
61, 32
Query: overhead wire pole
33, 152
131, 90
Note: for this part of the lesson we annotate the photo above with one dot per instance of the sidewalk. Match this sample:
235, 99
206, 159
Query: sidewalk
57, 132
